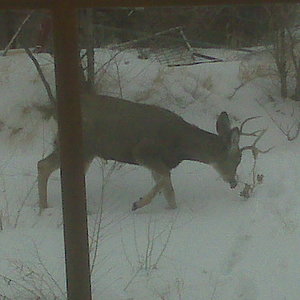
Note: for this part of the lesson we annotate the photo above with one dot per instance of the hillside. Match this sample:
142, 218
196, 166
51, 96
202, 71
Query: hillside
216, 245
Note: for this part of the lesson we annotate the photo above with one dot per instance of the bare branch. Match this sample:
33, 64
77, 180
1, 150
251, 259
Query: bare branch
286, 133
17, 33
291, 138
45, 82
11, 281
236, 90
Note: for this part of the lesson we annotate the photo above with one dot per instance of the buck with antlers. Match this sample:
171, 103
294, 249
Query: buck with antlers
150, 136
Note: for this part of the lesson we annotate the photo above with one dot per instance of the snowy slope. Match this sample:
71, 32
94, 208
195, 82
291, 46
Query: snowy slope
216, 245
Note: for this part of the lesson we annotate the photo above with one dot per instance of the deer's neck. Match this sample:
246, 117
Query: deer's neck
203, 146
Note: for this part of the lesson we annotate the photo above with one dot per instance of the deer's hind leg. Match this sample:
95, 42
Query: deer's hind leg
45, 168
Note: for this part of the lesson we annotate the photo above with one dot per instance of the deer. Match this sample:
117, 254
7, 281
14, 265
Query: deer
149, 136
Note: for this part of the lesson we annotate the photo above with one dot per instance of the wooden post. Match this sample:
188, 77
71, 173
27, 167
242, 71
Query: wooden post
88, 31
65, 27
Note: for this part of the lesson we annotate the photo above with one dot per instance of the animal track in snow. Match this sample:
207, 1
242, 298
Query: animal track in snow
236, 252
247, 289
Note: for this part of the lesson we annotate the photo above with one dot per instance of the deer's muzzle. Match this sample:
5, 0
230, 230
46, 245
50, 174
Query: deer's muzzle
233, 183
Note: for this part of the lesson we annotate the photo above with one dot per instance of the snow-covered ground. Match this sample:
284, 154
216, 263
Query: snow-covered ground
215, 246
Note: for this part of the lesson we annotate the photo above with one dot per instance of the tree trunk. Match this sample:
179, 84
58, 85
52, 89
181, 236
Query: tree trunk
280, 55
297, 87
283, 85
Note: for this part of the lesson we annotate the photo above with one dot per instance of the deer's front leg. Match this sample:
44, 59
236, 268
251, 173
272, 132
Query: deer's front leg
167, 189
149, 196
148, 154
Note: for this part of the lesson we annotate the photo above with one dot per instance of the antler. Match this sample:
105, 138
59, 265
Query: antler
256, 178
254, 133
253, 148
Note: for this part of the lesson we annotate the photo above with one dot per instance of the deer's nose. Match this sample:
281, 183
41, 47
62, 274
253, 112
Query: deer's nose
233, 183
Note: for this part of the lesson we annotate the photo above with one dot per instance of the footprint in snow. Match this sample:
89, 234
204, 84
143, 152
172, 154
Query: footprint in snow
247, 289
236, 253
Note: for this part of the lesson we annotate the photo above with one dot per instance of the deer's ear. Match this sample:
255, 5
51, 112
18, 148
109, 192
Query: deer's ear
223, 125
234, 138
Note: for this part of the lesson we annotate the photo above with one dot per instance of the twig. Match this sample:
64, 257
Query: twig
179, 288
125, 251
108, 62
48, 273
99, 226
119, 80
213, 292
135, 240
17, 33
287, 134
98, 222
166, 242
45, 82
150, 246
1, 218
131, 280
5, 201
295, 135
4, 297
103, 66
242, 84
23, 203
236, 90
10, 281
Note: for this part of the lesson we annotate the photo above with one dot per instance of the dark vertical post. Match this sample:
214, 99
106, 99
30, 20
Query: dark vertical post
88, 30
65, 30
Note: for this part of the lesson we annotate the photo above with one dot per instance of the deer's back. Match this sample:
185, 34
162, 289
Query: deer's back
114, 127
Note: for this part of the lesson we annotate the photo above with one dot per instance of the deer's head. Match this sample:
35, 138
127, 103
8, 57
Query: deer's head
227, 164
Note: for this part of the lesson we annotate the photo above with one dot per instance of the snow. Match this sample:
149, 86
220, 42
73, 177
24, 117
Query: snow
216, 245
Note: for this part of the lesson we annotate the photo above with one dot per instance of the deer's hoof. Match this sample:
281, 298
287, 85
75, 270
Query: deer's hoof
134, 206
173, 206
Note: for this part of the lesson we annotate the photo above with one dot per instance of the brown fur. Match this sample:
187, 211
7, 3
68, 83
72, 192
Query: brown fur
147, 135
